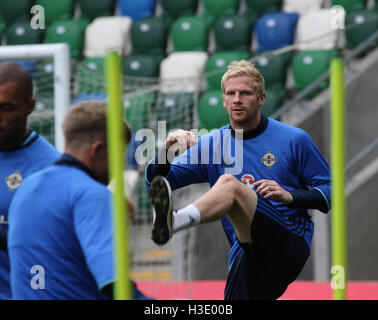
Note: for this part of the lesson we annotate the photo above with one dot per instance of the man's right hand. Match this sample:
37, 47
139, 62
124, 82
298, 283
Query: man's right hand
180, 140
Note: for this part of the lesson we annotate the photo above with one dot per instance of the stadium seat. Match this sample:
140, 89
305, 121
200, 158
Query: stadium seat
22, 33
316, 24
174, 9
136, 110
350, 5
90, 76
307, 66
68, 31
43, 78
211, 113
182, 71
2, 26
301, 6
137, 9
256, 8
105, 33
176, 109
273, 101
367, 24
57, 10
274, 68
92, 9
149, 36
275, 30
216, 66
233, 33
190, 33
219, 8
138, 70
12, 11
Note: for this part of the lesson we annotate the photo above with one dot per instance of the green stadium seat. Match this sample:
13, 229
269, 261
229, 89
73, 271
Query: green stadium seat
143, 205
233, 33
22, 33
92, 9
367, 21
149, 36
43, 78
274, 68
173, 9
309, 65
216, 66
176, 109
211, 113
57, 9
2, 27
136, 110
68, 31
220, 8
256, 8
190, 33
273, 101
12, 11
90, 76
350, 5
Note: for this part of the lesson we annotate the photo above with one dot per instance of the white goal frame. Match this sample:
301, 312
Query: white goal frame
61, 56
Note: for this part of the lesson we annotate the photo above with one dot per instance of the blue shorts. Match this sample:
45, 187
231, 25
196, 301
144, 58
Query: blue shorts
264, 268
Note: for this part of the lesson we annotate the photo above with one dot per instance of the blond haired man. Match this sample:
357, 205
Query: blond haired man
262, 205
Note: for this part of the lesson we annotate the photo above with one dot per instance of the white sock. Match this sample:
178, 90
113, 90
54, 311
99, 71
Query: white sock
186, 217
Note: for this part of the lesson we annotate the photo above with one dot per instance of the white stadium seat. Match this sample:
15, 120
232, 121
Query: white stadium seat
106, 33
179, 65
320, 24
301, 6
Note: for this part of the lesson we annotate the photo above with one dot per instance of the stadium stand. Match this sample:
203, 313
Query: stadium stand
211, 112
22, 33
315, 30
105, 33
274, 68
137, 9
256, 8
365, 23
233, 33
275, 30
11, 12
137, 110
173, 9
301, 6
308, 65
274, 99
190, 33
350, 5
68, 31
217, 63
214, 9
89, 76
92, 9
149, 36
57, 10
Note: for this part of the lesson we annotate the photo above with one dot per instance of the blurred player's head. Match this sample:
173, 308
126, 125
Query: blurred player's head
243, 95
84, 130
16, 103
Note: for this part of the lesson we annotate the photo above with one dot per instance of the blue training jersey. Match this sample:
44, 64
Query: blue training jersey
277, 152
32, 155
67, 233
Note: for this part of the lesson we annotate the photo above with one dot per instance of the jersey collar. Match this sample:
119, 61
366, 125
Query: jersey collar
68, 160
254, 132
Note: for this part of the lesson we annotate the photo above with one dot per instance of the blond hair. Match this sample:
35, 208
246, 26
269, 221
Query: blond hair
86, 122
244, 68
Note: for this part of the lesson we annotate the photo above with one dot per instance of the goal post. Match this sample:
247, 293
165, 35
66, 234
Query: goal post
61, 58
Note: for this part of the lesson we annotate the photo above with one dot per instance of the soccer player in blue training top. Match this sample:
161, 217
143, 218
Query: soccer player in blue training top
22, 150
261, 194
60, 239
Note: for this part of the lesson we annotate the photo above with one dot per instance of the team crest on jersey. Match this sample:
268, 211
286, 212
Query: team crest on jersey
269, 159
248, 180
14, 180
